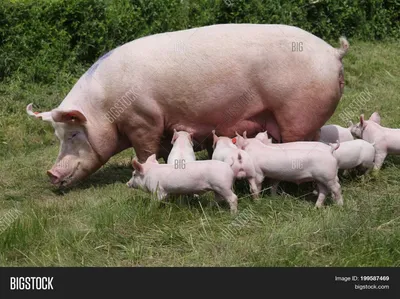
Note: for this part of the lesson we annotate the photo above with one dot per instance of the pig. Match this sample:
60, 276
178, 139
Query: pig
386, 141
137, 94
192, 178
239, 161
332, 133
182, 150
295, 162
355, 153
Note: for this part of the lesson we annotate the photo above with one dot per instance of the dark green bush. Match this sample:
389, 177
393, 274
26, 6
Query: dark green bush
39, 39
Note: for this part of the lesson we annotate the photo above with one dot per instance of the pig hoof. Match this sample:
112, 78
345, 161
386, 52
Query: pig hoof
318, 205
315, 192
375, 173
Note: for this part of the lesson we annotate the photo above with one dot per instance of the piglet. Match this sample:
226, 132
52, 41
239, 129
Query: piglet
240, 162
182, 149
355, 153
332, 133
295, 162
189, 178
386, 141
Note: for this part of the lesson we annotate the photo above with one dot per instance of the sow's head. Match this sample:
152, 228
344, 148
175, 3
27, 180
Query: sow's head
77, 157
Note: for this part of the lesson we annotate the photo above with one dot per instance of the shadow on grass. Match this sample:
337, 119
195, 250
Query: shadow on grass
391, 161
117, 173
110, 174
297, 192
303, 192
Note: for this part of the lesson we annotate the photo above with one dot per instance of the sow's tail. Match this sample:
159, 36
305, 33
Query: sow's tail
237, 166
344, 47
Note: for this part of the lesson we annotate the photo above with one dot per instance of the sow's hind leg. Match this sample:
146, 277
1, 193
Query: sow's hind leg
306, 111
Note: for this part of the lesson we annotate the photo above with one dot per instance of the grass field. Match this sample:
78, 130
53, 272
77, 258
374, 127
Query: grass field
103, 223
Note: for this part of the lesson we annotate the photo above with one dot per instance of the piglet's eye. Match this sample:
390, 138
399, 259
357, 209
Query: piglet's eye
74, 134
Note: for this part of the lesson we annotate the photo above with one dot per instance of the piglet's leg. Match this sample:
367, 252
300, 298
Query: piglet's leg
253, 188
258, 183
334, 186
161, 194
380, 157
274, 188
322, 192
231, 198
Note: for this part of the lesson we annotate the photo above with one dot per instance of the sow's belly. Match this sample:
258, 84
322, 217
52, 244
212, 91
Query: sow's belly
226, 122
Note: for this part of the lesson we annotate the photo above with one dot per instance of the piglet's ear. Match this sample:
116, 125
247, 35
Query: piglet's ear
152, 159
68, 116
174, 137
137, 166
362, 122
215, 138
375, 117
191, 139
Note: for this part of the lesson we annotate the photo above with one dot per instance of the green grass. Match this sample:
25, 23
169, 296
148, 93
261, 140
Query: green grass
103, 223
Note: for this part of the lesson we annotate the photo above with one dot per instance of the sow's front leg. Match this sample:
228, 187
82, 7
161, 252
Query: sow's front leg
164, 148
145, 146
146, 139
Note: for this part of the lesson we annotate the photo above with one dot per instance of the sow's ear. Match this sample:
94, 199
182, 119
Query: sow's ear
137, 166
68, 116
46, 116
